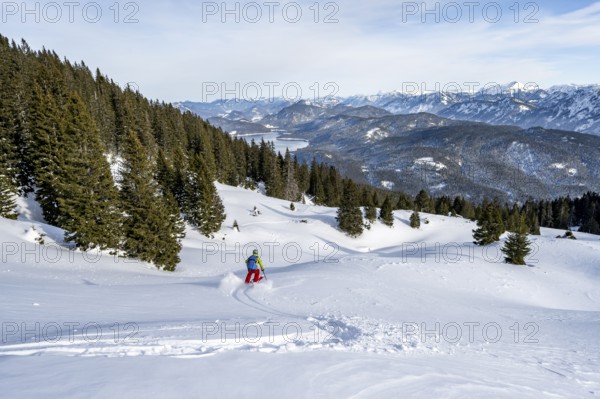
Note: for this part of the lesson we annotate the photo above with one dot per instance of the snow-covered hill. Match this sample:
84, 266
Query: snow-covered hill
396, 313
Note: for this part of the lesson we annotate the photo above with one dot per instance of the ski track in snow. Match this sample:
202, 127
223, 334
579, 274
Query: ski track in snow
318, 333
286, 332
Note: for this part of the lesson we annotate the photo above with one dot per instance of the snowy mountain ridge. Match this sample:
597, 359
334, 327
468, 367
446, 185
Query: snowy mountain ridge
566, 107
337, 132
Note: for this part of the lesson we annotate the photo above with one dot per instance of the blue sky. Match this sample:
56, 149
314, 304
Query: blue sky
178, 50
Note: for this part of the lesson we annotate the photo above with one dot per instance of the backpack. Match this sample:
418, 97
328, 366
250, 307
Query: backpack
251, 262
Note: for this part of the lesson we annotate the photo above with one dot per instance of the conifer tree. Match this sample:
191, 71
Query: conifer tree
253, 158
225, 173
16, 76
240, 159
204, 208
87, 198
7, 188
370, 213
517, 246
415, 219
47, 127
590, 226
547, 217
457, 205
303, 174
152, 227
370, 209
8, 152
165, 174
534, 225
385, 214
170, 230
180, 180
404, 202
422, 201
349, 215
134, 116
316, 184
375, 199
514, 219
291, 191
75, 188
490, 226
467, 211
274, 177
7, 193
334, 186
562, 214
442, 205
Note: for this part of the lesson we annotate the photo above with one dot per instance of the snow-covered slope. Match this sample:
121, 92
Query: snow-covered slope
395, 313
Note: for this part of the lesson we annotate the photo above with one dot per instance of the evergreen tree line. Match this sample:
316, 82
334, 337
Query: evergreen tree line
560, 213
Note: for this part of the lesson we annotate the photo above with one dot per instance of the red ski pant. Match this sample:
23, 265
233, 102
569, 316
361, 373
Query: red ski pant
256, 274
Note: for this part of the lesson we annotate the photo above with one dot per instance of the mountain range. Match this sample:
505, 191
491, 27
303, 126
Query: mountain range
512, 143
566, 107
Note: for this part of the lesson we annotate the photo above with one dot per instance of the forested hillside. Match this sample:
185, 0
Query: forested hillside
61, 127
120, 172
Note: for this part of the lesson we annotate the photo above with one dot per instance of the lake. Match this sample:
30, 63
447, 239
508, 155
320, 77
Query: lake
280, 138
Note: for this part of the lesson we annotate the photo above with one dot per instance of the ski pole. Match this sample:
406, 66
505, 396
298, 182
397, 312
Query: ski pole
265, 274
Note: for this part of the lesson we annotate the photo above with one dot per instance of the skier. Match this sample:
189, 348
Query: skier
252, 264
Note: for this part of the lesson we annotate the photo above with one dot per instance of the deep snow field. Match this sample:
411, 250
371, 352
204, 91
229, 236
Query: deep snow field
396, 313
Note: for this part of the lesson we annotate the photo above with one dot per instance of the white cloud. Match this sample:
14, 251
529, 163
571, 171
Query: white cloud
171, 52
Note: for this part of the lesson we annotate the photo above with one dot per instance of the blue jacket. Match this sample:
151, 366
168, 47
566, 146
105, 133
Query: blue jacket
253, 261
